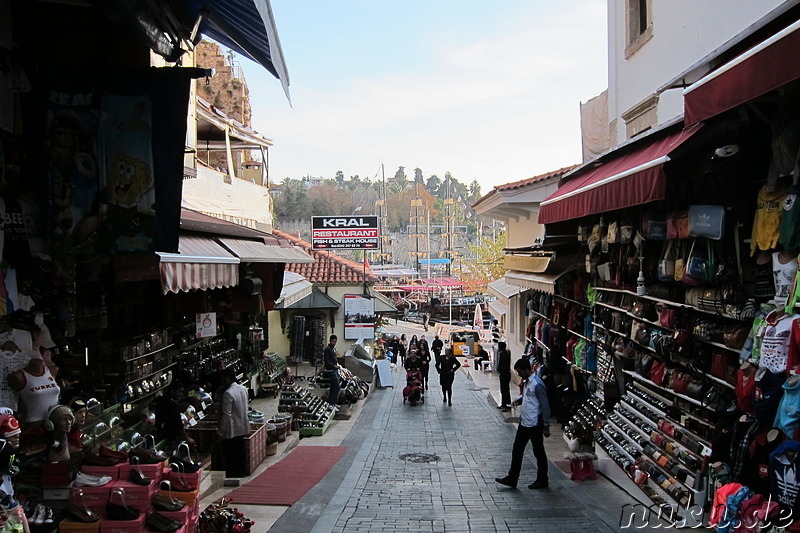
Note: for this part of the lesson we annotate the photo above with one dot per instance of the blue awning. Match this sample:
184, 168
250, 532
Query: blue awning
245, 26
434, 261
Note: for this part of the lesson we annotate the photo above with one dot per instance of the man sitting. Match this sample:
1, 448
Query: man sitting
483, 355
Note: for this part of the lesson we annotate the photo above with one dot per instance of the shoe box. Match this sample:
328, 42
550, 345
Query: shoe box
154, 471
136, 496
123, 526
69, 525
57, 474
95, 498
182, 479
191, 497
110, 471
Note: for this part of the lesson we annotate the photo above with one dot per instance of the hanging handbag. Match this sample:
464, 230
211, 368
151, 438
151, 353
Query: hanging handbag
696, 265
654, 226
680, 262
613, 233
683, 224
666, 265
625, 232
707, 221
672, 225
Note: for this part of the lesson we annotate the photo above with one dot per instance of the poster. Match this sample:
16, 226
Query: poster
359, 317
206, 325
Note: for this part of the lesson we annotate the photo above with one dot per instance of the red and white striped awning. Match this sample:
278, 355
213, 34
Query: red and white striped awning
200, 264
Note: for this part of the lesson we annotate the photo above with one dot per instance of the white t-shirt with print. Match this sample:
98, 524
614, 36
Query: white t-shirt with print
775, 342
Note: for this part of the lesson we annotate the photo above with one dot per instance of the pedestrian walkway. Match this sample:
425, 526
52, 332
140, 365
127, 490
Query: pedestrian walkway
431, 468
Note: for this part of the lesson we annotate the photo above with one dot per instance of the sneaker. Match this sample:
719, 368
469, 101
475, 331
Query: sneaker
38, 515
538, 485
507, 481
48, 515
86, 480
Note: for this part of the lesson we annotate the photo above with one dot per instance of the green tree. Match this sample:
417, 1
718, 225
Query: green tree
474, 190
340, 179
486, 266
400, 179
433, 184
418, 176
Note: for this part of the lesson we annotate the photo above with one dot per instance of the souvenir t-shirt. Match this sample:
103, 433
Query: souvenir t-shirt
784, 476
767, 222
784, 274
790, 220
787, 418
775, 342
764, 281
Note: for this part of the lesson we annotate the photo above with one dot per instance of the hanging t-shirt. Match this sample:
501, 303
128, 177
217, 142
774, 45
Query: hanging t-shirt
775, 342
767, 222
787, 419
784, 274
790, 220
763, 280
784, 475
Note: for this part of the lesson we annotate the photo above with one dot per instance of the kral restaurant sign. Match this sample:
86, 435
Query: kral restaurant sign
343, 232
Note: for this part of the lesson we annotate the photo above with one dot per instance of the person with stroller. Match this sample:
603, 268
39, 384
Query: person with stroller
413, 362
447, 367
425, 360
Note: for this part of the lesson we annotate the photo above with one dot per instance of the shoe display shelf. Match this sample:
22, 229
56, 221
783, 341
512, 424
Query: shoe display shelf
270, 373
317, 413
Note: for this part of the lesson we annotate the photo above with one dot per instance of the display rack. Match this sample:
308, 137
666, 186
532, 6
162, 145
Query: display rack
317, 413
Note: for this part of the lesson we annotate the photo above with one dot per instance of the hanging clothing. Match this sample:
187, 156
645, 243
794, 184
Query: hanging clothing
783, 274
746, 388
775, 342
756, 474
767, 222
769, 391
787, 419
764, 281
790, 220
784, 478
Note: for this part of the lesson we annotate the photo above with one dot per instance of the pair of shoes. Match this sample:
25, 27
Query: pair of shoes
87, 480
505, 409
507, 481
105, 451
165, 504
538, 485
81, 514
115, 511
42, 515
138, 478
503, 406
161, 523
145, 457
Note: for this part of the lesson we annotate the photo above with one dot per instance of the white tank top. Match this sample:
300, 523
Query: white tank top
38, 394
784, 277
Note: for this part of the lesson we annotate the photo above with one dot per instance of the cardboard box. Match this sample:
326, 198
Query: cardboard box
154, 472
136, 496
95, 498
191, 498
68, 525
192, 480
123, 526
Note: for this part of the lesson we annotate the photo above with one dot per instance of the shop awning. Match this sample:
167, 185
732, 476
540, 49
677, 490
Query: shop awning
442, 282
540, 282
200, 264
245, 26
251, 251
316, 300
501, 289
295, 288
497, 308
763, 68
633, 178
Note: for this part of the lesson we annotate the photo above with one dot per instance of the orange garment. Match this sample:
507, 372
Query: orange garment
767, 223
721, 502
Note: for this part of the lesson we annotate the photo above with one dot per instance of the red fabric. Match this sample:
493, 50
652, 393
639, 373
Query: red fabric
720, 503
746, 389
289, 479
639, 188
794, 348
759, 74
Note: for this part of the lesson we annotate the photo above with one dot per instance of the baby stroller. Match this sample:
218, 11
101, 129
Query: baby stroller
413, 391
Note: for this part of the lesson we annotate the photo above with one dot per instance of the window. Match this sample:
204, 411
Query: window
639, 15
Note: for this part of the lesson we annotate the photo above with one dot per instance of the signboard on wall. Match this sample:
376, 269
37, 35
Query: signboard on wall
344, 233
359, 317
206, 324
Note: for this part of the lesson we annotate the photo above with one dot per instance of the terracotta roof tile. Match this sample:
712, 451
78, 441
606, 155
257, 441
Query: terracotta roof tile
327, 266
536, 179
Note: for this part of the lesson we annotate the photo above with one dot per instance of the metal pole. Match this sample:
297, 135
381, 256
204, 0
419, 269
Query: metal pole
429, 243
450, 293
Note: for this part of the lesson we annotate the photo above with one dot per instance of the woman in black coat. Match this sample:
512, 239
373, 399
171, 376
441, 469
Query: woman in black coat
447, 367
425, 356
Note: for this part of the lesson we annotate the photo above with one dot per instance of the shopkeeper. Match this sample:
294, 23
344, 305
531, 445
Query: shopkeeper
169, 425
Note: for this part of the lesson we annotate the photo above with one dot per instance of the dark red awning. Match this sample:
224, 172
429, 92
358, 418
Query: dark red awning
761, 69
630, 179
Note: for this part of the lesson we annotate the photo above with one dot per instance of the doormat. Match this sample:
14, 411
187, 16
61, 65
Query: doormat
289, 479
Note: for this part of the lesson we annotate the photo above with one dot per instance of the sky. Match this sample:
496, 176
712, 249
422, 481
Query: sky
486, 90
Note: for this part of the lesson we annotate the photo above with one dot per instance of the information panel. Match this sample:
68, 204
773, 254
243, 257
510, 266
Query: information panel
344, 233
359, 317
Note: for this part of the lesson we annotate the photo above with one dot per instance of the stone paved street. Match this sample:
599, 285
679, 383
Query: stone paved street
373, 489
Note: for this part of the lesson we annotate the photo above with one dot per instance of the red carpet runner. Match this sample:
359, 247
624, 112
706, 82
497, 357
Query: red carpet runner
289, 479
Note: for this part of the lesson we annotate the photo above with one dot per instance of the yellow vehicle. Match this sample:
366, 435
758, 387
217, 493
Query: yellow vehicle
464, 342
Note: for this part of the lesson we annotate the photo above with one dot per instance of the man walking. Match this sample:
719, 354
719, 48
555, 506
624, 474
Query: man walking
233, 425
534, 425
436, 347
504, 369
331, 365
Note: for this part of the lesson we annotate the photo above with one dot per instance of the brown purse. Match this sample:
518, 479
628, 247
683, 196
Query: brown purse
735, 336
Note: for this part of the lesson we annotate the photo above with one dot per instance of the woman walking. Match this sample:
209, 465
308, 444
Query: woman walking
425, 356
447, 367
402, 349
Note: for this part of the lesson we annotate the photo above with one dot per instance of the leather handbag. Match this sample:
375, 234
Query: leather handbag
654, 226
697, 264
712, 300
672, 225
719, 364
680, 382
657, 371
644, 364
735, 336
666, 317
707, 221
613, 233
642, 335
695, 387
